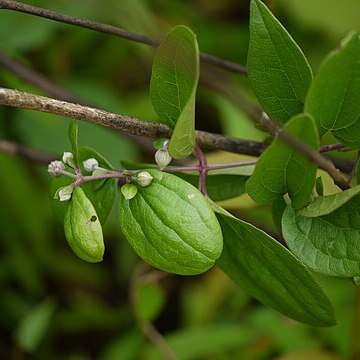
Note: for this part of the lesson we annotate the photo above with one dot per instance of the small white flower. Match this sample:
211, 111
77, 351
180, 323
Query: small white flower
91, 165
65, 193
162, 158
68, 158
56, 168
144, 178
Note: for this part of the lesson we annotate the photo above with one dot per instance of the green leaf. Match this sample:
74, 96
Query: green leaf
206, 342
221, 184
171, 226
129, 191
73, 138
327, 244
173, 84
271, 274
334, 94
34, 326
281, 169
83, 229
278, 70
150, 300
324, 205
219, 187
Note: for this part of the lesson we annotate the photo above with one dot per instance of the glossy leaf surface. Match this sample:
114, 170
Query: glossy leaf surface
281, 169
82, 228
173, 85
333, 99
271, 274
328, 244
171, 226
278, 70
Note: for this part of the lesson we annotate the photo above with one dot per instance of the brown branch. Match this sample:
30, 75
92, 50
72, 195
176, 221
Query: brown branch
112, 30
138, 127
123, 123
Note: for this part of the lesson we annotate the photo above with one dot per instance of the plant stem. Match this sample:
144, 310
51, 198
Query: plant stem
112, 30
202, 169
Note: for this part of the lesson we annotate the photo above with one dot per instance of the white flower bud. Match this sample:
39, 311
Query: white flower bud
91, 164
56, 168
64, 193
144, 178
68, 158
162, 158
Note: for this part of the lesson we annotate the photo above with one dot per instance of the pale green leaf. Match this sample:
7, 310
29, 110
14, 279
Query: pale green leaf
324, 205
278, 70
333, 99
173, 85
328, 244
82, 228
171, 226
281, 169
270, 273
34, 326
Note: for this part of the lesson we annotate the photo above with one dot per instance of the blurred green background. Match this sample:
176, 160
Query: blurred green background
55, 306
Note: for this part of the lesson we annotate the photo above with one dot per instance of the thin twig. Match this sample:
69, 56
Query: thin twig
26, 153
112, 30
123, 123
202, 169
306, 150
147, 327
36, 79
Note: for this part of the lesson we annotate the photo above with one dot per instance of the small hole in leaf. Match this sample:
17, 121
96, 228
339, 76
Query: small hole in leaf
93, 218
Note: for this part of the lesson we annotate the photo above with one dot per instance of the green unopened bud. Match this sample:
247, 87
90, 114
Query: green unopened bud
129, 191
64, 194
144, 178
68, 158
56, 168
162, 158
91, 164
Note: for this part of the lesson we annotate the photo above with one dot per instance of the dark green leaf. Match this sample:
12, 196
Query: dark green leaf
173, 85
271, 274
83, 234
171, 226
328, 244
277, 208
319, 186
281, 169
278, 70
73, 138
34, 326
219, 187
333, 99
324, 205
